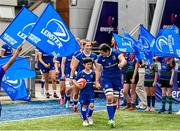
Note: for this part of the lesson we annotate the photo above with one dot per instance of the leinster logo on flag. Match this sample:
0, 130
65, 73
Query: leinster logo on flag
52, 36
19, 28
56, 32
25, 31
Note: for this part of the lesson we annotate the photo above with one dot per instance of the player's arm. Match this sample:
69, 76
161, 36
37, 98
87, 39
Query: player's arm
172, 71
10, 62
2, 52
122, 61
135, 72
75, 83
156, 75
74, 67
56, 65
63, 67
97, 77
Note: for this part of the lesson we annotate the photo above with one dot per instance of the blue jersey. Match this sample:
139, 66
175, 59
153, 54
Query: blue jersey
8, 50
82, 56
110, 65
2, 72
48, 59
90, 78
68, 66
76, 53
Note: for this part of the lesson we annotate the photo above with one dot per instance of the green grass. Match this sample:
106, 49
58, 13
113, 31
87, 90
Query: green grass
125, 120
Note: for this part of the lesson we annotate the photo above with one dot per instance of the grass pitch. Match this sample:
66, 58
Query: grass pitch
125, 120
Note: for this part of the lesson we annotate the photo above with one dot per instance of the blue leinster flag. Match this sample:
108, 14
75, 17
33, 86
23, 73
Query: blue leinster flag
147, 41
124, 45
52, 36
167, 42
19, 69
16, 89
19, 28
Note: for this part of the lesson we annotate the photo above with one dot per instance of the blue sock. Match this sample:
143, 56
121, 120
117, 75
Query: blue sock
90, 111
67, 98
114, 107
42, 83
110, 110
83, 113
75, 102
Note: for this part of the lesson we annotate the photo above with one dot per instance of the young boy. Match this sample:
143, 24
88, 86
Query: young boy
86, 98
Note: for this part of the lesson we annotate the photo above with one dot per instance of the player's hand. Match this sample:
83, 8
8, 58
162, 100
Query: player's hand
171, 82
133, 80
18, 50
47, 65
154, 84
120, 65
97, 85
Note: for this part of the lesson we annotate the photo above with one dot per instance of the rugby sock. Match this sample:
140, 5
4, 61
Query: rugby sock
42, 83
163, 102
75, 102
153, 101
110, 110
170, 102
90, 111
148, 101
83, 113
114, 107
67, 98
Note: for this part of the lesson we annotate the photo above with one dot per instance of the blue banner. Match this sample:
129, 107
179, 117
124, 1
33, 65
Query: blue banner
15, 89
19, 69
52, 36
147, 41
19, 28
137, 46
123, 44
168, 43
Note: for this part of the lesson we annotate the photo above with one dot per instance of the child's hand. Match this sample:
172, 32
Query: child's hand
19, 49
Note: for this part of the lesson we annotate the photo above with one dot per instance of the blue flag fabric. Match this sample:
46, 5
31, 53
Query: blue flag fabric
52, 36
147, 41
15, 89
167, 42
138, 52
123, 44
19, 69
19, 28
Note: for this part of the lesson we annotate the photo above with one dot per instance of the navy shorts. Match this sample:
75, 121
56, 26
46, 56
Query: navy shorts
114, 83
86, 98
44, 69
